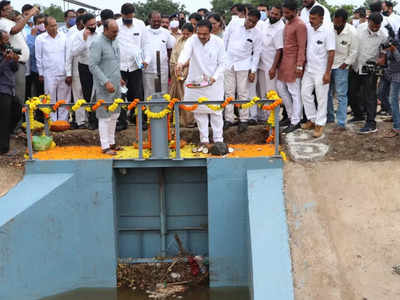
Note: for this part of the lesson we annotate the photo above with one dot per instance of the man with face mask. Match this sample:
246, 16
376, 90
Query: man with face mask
156, 39
393, 18
70, 21
131, 42
50, 53
308, 5
263, 9
320, 55
80, 53
362, 80
38, 28
346, 53
272, 38
243, 43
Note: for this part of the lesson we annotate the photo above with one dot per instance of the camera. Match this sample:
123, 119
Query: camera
8, 49
371, 67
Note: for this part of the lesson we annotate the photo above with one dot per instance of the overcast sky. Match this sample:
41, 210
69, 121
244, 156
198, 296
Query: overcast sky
191, 5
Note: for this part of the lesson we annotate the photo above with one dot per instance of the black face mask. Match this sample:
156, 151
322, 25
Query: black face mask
339, 28
385, 13
273, 20
127, 21
92, 29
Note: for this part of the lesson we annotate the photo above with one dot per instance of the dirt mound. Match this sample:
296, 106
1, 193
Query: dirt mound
344, 220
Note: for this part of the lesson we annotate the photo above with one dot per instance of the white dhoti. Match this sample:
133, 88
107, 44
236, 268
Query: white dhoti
149, 83
203, 113
56, 87
236, 82
107, 130
290, 92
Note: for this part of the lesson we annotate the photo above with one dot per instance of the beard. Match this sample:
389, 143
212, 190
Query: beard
273, 20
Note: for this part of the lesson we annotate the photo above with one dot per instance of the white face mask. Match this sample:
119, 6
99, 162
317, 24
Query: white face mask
41, 27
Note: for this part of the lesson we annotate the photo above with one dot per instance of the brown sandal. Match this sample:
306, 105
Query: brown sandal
109, 152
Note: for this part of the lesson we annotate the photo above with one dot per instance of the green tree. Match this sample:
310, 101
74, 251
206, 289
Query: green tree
54, 11
169, 7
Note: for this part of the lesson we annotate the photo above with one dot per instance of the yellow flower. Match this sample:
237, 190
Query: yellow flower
284, 157
202, 99
167, 97
271, 118
149, 98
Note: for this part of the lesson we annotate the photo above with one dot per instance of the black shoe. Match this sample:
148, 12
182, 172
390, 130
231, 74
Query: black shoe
242, 127
73, 126
227, 124
82, 126
121, 127
252, 122
356, 119
368, 129
291, 128
284, 123
383, 113
92, 127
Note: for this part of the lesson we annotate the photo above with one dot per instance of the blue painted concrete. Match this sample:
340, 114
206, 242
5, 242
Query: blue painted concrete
62, 231
228, 218
270, 253
57, 230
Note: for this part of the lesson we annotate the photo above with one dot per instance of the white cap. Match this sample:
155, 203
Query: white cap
174, 24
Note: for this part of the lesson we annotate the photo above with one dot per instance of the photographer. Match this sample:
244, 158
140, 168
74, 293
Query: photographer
362, 92
393, 59
8, 67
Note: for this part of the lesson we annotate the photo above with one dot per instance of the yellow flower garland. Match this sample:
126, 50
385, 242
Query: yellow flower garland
249, 104
160, 115
113, 107
78, 104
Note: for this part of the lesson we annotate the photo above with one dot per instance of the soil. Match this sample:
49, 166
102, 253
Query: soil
344, 223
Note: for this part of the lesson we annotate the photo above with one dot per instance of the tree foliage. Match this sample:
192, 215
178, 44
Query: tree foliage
169, 7
54, 11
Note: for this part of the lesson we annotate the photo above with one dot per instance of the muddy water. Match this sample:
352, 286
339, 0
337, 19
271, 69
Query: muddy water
125, 294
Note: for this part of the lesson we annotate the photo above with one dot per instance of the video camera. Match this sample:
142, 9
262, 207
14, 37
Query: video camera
7, 48
371, 67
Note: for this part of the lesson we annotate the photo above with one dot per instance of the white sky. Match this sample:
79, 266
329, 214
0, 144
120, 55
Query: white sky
191, 5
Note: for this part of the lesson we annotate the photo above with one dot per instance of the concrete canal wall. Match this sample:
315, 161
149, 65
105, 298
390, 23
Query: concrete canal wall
61, 231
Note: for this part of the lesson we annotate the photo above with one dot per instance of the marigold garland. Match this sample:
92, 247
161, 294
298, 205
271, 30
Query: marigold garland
113, 107
133, 104
78, 104
188, 108
57, 105
97, 105
248, 104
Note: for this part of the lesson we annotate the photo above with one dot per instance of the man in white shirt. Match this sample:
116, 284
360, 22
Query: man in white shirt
131, 43
204, 52
69, 19
305, 12
51, 51
320, 56
362, 80
272, 36
345, 55
393, 18
156, 39
243, 43
17, 40
80, 52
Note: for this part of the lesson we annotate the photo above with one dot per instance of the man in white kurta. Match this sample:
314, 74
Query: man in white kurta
50, 52
243, 47
272, 37
310, 4
321, 45
205, 54
156, 39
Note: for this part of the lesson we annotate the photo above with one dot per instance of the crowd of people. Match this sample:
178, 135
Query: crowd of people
308, 56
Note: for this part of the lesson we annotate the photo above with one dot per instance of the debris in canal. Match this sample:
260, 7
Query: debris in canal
163, 279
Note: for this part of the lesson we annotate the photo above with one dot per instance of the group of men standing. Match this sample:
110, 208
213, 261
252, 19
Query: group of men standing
305, 56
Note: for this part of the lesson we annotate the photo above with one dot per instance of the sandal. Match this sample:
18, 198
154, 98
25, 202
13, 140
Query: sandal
392, 133
115, 147
10, 153
109, 152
